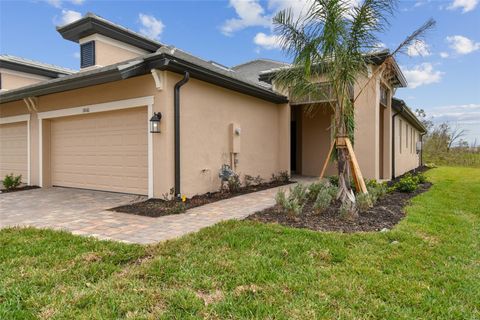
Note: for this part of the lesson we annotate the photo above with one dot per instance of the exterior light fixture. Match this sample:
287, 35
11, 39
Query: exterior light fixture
155, 122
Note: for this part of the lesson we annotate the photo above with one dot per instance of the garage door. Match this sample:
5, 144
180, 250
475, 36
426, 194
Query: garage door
13, 150
101, 151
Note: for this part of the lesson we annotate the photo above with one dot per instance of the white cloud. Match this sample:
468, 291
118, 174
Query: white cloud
250, 13
69, 16
55, 3
422, 74
58, 3
444, 55
152, 27
418, 48
267, 41
465, 116
76, 55
465, 5
462, 45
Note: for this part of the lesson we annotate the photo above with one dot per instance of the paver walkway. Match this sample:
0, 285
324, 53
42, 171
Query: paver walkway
83, 212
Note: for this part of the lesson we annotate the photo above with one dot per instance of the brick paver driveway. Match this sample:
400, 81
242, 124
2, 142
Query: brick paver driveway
83, 212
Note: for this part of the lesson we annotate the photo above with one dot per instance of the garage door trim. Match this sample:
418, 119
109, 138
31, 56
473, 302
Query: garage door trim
21, 118
101, 107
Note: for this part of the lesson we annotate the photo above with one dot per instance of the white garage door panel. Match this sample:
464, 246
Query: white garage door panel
102, 151
13, 149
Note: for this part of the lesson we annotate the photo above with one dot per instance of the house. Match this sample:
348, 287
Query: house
91, 129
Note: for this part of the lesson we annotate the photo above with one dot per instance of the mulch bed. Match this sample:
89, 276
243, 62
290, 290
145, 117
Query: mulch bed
19, 189
160, 207
386, 213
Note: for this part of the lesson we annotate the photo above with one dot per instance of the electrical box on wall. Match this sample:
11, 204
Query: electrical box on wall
235, 134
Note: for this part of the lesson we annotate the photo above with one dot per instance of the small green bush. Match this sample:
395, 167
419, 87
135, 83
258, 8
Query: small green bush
364, 201
347, 209
248, 180
234, 183
407, 184
323, 200
314, 189
258, 180
333, 180
421, 178
299, 192
11, 182
291, 205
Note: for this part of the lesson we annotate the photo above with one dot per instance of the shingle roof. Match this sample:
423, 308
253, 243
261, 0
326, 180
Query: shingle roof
251, 69
165, 58
401, 107
34, 64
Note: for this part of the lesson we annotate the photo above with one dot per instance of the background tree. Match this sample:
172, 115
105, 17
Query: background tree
331, 40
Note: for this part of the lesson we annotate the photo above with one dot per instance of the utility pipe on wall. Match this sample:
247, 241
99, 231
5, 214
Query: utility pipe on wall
176, 102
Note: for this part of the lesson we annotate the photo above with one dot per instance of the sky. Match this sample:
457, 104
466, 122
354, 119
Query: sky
443, 72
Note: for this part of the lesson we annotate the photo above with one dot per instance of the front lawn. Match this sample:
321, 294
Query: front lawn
427, 267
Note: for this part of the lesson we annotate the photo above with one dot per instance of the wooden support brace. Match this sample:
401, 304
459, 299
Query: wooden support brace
327, 159
356, 168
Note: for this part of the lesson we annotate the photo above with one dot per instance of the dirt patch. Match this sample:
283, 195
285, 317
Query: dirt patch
210, 297
386, 213
160, 207
19, 189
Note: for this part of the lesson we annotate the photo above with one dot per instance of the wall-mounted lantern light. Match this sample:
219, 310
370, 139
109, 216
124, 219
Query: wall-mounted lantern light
155, 122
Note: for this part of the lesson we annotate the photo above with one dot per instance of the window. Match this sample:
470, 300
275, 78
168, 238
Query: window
87, 54
401, 133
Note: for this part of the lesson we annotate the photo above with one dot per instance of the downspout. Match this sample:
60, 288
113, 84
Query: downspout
176, 102
393, 141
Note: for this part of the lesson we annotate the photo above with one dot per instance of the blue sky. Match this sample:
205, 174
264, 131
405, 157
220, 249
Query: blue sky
444, 80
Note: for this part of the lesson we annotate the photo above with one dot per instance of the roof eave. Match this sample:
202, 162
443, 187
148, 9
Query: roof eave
89, 25
31, 69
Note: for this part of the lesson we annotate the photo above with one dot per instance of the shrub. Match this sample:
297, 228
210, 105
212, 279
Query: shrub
248, 180
178, 208
323, 200
333, 180
376, 191
314, 189
234, 183
291, 205
347, 209
258, 180
11, 182
407, 184
364, 201
421, 178
284, 176
299, 192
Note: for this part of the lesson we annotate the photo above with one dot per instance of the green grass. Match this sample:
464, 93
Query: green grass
428, 267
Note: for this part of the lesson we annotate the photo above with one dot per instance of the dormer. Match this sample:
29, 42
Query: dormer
103, 43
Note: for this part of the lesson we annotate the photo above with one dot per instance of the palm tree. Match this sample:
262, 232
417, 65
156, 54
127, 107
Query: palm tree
331, 40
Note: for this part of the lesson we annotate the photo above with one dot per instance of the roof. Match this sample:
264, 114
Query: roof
401, 108
91, 24
375, 58
165, 58
33, 67
251, 69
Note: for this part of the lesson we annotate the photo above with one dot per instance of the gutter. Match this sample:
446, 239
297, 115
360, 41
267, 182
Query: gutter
176, 104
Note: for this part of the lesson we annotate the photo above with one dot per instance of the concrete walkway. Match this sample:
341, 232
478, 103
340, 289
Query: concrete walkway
83, 212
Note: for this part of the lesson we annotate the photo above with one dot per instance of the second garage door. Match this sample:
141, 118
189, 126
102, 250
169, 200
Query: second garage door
101, 151
13, 150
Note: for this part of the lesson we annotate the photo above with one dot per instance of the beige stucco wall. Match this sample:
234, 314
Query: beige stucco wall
367, 129
406, 157
315, 141
14, 79
207, 112
106, 54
